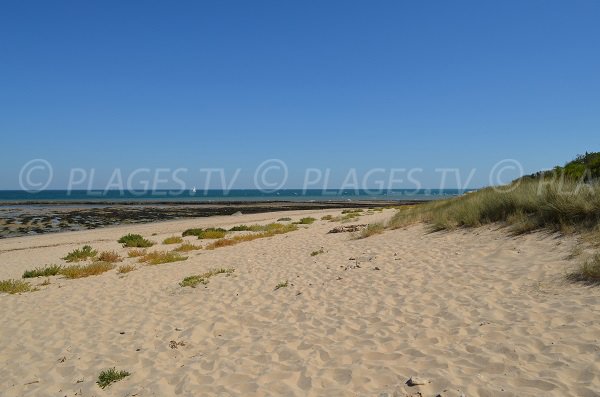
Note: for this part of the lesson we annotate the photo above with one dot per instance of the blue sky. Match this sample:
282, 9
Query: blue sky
332, 84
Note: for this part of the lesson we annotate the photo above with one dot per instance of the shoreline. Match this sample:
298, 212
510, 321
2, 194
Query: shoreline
44, 218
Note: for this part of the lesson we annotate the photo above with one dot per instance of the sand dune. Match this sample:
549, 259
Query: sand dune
473, 312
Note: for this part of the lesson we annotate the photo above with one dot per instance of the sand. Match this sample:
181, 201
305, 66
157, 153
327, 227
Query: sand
475, 312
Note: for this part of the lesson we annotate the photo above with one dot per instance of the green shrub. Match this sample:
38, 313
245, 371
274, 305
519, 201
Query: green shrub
202, 233
318, 252
286, 219
80, 271
172, 240
47, 271
109, 376
306, 221
159, 257
135, 240
82, 254
15, 286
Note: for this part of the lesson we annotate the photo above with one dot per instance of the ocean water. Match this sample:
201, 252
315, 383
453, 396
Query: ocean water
99, 196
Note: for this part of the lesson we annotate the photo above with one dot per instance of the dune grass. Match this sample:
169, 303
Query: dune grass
109, 376
286, 219
125, 269
526, 205
80, 271
588, 271
257, 228
327, 217
136, 253
81, 254
135, 241
193, 281
172, 240
208, 233
51, 270
352, 211
187, 247
15, 286
282, 284
306, 221
160, 257
530, 205
271, 230
109, 256
371, 230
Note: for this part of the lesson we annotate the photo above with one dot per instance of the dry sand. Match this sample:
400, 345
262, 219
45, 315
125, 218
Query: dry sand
473, 312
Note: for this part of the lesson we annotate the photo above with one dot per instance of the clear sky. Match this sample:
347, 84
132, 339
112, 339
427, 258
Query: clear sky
329, 84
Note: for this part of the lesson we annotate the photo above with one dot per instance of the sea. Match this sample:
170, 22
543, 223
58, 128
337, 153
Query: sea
114, 196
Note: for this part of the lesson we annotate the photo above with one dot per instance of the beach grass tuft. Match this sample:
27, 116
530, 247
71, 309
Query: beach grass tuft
81, 254
371, 230
15, 286
208, 233
51, 270
125, 269
159, 257
172, 240
588, 271
193, 281
109, 256
187, 247
282, 284
286, 219
269, 231
109, 376
135, 241
306, 221
80, 271
136, 253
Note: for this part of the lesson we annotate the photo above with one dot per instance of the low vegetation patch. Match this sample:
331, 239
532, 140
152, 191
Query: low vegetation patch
187, 247
172, 240
318, 252
306, 221
272, 230
207, 233
588, 271
109, 376
125, 269
15, 286
327, 217
135, 240
80, 271
84, 253
159, 257
525, 205
109, 256
283, 284
136, 253
51, 270
372, 229
352, 211
193, 281
286, 219
256, 228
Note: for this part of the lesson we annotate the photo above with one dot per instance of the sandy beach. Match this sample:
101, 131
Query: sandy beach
471, 312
